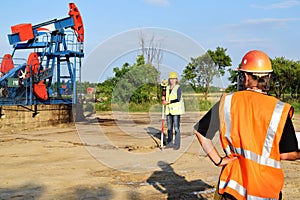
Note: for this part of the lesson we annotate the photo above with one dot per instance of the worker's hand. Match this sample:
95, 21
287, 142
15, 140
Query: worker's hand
291, 156
165, 102
226, 160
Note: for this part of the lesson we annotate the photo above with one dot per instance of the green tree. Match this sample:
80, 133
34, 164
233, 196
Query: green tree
295, 84
284, 75
221, 59
201, 70
137, 84
105, 89
233, 78
130, 84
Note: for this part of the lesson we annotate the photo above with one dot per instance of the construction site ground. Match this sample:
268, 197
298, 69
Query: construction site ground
113, 156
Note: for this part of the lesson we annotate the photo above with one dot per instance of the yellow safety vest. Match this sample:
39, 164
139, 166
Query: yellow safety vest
251, 125
174, 108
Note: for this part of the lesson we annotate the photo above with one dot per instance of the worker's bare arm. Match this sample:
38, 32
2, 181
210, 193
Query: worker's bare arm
290, 156
211, 151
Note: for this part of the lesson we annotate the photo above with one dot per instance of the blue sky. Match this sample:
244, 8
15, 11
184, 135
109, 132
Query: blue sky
239, 26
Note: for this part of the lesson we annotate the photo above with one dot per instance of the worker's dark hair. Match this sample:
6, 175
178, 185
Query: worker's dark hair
263, 82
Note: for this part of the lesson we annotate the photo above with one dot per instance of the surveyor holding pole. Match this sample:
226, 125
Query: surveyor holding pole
174, 108
256, 132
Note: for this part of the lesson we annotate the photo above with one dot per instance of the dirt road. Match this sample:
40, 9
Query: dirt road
112, 159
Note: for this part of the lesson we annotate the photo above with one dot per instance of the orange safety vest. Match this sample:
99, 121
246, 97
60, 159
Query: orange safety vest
251, 125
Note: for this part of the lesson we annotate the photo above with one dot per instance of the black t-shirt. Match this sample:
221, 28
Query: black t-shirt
209, 124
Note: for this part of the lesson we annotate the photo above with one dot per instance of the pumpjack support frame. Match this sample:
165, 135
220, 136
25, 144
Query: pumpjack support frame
52, 70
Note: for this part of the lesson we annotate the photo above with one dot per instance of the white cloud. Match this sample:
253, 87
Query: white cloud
262, 22
280, 5
276, 21
162, 3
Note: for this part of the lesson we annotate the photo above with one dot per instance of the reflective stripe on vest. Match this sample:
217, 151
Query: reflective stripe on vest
241, 190
264, 159
256, 173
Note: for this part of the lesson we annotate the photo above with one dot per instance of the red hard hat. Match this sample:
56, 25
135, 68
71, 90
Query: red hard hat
256, 62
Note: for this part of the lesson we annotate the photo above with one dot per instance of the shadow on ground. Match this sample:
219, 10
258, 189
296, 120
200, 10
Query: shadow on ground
167, 181
156, 134
91, 192
29, 191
